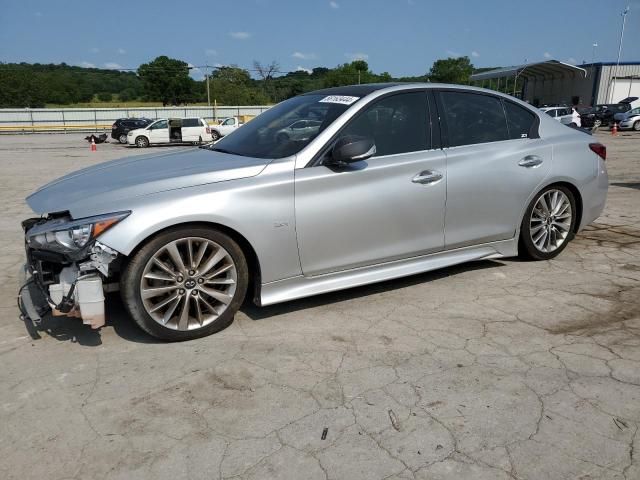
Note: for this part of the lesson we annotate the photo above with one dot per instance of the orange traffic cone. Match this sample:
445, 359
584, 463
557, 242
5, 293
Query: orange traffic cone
614, 129
93, 144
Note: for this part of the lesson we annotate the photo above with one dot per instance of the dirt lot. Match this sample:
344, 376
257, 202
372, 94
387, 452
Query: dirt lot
492, 370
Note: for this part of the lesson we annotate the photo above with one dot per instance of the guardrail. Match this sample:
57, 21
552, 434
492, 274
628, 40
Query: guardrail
64, 120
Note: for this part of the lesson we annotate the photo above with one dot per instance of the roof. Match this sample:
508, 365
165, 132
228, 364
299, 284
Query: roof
548, 68
354, 90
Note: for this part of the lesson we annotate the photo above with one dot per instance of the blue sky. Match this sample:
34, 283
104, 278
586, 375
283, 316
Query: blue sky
402, 37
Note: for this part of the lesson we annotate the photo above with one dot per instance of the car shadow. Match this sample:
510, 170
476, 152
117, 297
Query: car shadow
67, 329
635, 185
260, 313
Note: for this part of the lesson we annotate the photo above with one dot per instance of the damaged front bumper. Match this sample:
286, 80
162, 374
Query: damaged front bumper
70, 288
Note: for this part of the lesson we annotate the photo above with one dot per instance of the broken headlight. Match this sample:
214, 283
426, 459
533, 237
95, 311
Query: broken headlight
66, 236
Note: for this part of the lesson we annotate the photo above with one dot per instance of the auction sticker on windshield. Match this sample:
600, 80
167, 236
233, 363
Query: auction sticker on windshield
342, 99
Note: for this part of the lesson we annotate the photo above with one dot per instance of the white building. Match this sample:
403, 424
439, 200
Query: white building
557, 83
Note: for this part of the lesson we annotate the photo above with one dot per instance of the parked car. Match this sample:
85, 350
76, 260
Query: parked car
602, 115
400, 179
629, 120
225, 127
122, 126
171, 130
561, 114
634, 102
300, 130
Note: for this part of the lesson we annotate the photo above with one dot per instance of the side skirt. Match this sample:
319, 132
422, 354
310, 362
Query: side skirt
301, 286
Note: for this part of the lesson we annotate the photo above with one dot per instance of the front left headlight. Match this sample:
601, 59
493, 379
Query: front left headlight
67, 236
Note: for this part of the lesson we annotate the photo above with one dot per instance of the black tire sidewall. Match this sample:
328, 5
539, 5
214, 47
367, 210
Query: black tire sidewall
527, 248
145, 142
132, 274
636, 126
215, 135
120, 138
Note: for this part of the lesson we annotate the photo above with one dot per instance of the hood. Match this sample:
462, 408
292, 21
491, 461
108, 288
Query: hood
140, 175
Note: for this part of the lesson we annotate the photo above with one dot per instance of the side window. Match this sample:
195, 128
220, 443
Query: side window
397, 124
191, 122
159, 125
473, 118
519, 120
229, 121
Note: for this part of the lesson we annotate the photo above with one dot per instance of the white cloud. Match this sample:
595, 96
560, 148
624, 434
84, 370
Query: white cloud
94, 50
87, 65
210, 52
572, 60
303, 56
334, 4
113, 66
302, 69
357, 56
475, 54
452, 53
547, 55
240, 35
218, 65
122, 51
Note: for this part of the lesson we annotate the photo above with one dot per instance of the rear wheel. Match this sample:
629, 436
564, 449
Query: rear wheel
185, 283
142, 142
636, 126
122, 138
548, 223
215, 135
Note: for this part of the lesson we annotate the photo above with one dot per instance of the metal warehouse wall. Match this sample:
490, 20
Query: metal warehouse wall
606, 81
560, 89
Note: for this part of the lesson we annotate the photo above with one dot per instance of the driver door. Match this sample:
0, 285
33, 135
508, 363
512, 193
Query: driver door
159, 132
385, 208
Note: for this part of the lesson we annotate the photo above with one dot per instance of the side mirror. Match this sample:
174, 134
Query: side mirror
352, 148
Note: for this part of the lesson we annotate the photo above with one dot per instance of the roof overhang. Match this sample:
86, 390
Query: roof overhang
548, 69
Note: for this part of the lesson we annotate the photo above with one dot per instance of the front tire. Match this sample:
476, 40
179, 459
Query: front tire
548, 223
142, 142
185, 283
215, 136
636, 126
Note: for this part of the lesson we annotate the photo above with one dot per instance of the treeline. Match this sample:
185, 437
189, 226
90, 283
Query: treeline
168, 81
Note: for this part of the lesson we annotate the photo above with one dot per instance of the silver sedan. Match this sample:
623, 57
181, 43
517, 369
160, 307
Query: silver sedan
396, 179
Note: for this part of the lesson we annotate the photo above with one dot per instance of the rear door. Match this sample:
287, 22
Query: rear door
388, 207
191, 129
495, 161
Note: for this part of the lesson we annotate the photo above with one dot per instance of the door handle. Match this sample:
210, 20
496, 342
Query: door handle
426, 177
530, 161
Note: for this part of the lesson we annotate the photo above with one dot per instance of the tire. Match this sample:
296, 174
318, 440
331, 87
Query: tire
142, 142
218, 294
123, 138
544, 236
636, 126
215, 135
199, 140
597, 123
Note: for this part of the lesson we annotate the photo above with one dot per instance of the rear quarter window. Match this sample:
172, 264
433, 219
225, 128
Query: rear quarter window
520, 121
191, 122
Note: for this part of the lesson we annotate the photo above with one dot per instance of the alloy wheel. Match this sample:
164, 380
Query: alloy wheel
188, 283
550, 221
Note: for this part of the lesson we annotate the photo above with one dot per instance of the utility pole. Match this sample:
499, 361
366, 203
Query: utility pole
615, 73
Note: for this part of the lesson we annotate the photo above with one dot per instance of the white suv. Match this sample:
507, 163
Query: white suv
561, 114
171, 130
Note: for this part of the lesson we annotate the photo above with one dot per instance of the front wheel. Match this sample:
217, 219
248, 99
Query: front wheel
215, 136
123, 138
636, 126
548, 223
185, 283
142, 142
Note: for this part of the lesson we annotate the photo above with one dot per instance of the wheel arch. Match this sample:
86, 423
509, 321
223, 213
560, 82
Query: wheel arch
253, 262
577, 196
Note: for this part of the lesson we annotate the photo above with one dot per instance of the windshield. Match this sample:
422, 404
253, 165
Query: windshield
269, 135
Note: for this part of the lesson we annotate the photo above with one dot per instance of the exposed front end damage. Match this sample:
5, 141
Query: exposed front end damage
68, 267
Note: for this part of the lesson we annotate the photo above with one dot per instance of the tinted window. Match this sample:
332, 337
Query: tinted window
191, 122
397, 124
229, 121
473, 118
519, 120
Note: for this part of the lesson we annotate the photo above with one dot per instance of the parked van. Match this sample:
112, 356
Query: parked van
171, 130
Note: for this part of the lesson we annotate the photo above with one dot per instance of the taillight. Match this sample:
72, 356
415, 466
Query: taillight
599, 149
114, 126
208, 130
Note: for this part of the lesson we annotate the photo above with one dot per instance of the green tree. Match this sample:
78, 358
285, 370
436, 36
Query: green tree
105, 96
166, 80
451, 70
